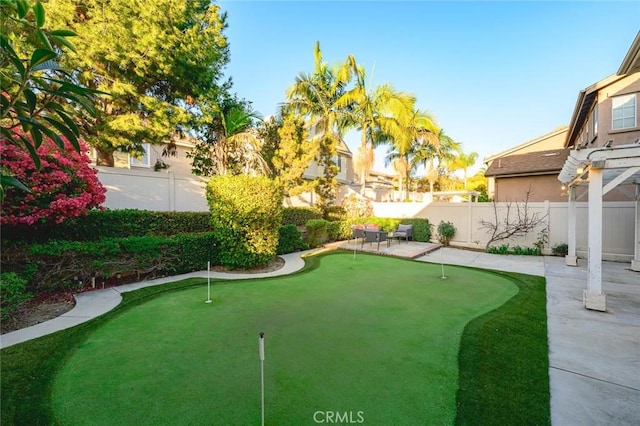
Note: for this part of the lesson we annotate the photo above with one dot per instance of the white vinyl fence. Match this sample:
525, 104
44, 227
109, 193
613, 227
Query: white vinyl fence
162, 191
618, 223
149, 190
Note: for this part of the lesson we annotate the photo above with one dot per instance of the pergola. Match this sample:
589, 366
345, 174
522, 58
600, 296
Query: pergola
602, 169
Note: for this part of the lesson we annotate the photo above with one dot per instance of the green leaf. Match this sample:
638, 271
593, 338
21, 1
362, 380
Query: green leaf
84, 103
64, 41
44, 39
5, 44
41, 55
32, 151
53, 135
68, 121
4, 102
31, 100
38, 11
13, 182
23, 8
37, 137
47, 65
68, 133
63, 33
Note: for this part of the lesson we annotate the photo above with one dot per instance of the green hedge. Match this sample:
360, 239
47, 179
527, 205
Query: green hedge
246, 213
299, 216
100, 224
290, 240
13, 293
317, 232
62, 264
421, 227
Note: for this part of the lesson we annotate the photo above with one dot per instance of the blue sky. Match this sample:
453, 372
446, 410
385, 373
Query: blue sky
494, 74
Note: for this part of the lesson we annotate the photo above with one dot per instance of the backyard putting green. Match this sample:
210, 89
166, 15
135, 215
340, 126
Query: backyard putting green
373, 337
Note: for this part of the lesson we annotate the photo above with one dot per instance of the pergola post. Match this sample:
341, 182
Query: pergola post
571, 259
635, 263
593, 297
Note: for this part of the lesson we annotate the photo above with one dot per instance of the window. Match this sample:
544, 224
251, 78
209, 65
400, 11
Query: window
624, 112
594, 122
143, 161
338, 162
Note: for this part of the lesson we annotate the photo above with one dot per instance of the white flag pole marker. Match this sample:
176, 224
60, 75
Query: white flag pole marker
261, 348
442, 265
208, 283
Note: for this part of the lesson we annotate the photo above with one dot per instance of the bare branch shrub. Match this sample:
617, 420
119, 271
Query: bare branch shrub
517, 222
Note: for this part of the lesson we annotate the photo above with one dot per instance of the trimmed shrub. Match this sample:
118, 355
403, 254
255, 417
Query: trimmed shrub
61, 264
333, 231
290, 240
100, 224
13, 293
561, 249
299, 216
335, 213
317, 232
246, 213
446, 232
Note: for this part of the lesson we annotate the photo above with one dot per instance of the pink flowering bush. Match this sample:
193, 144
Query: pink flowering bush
64, 186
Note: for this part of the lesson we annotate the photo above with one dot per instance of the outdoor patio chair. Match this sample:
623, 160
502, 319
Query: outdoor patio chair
404, 232
374, 236
358, 232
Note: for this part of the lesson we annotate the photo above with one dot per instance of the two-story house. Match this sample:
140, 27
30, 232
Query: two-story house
155, 160
604, 163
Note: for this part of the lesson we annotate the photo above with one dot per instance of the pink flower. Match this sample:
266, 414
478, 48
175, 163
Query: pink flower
64, 186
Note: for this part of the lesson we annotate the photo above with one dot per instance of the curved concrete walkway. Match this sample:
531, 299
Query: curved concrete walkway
594, 357
92, 304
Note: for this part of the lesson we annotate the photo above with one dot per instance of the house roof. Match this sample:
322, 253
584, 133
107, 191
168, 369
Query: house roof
558, 130
586, 98
631, 62
532, 163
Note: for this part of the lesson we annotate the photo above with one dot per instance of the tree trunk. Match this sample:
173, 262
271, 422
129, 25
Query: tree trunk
105, 158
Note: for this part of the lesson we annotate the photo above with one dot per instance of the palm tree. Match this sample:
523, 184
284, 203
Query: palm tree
319, 99
432, 155
401, 165
231, 145
375, 113
418, 127
463, 162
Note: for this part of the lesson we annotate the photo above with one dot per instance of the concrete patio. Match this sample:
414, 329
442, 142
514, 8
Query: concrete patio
594, 357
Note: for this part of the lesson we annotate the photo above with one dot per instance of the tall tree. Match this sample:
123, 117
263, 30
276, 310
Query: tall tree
431, 155
156, 58
418, 127
289, 151
463, 162
229, 142
318, 98
400, 164
375, 112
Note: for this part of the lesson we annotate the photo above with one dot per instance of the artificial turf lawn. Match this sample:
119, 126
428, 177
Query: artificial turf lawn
375, 335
